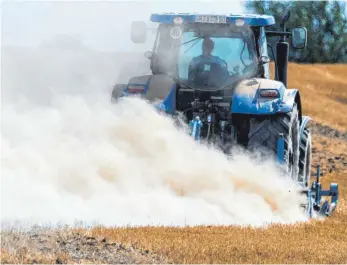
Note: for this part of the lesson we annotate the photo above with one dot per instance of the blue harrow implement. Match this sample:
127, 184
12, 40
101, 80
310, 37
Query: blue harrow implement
214, 69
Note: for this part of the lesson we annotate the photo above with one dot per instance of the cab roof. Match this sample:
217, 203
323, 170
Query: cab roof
248, 19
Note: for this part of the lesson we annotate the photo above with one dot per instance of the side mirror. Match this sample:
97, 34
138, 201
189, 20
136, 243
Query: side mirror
138, 31
299, 37
264, 60
148, 54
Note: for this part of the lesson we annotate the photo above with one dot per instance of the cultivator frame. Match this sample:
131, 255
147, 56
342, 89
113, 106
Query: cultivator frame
315, 194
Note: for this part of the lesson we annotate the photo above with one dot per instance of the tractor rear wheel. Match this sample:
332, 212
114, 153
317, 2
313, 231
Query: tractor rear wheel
264, 133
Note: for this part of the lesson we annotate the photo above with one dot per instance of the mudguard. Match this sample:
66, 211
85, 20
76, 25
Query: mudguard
305, 120
168, 105
246, 97
159, 88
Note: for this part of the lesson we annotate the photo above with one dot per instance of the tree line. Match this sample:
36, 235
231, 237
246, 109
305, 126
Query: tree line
325, 22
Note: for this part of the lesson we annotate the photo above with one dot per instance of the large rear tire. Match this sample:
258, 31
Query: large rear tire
264, 133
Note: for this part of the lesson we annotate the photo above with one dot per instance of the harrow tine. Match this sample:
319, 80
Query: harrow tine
327, 208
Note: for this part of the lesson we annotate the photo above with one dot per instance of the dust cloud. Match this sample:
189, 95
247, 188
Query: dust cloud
68, 154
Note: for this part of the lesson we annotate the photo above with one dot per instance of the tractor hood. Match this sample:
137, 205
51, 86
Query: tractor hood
262, 96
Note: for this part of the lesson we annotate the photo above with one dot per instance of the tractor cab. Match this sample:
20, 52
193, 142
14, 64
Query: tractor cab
209, 52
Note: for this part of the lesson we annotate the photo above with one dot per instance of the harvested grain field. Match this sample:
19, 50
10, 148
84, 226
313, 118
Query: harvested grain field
87, 181
280, 243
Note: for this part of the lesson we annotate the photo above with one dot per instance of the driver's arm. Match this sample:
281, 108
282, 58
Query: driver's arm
221, 61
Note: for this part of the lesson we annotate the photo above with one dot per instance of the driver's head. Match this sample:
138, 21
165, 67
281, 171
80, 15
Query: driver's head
207, 46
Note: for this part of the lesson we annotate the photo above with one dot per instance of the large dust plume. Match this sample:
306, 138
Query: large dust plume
69, 154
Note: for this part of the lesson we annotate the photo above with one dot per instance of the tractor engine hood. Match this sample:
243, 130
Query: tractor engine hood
262, 96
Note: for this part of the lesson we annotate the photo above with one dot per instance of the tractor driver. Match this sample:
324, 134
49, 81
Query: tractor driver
206, 59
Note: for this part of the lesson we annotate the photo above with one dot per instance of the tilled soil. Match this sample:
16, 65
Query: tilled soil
329, 160
326, 130
65, 246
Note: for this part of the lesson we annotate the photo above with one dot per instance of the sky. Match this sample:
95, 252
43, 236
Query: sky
103, 25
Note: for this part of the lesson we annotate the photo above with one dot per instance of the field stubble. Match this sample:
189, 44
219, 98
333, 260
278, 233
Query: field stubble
324, 96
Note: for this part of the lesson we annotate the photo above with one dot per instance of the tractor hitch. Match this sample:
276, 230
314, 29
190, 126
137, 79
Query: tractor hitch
195, 126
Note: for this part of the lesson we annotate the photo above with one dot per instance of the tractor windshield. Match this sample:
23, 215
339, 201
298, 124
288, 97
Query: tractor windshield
207, 56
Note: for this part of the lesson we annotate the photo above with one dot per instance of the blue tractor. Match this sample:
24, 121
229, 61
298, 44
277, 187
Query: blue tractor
214, 69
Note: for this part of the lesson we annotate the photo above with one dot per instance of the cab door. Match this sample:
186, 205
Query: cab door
264, 52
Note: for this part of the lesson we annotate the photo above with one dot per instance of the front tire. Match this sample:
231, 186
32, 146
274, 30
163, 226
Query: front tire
264, 133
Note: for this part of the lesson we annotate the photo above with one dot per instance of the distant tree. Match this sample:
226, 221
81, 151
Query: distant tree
325, 22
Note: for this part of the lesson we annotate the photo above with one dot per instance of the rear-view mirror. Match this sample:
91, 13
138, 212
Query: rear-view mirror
148, 54
299, 37
138, 31
264, 60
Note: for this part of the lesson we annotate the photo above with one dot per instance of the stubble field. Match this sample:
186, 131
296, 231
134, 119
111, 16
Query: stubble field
324, 96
